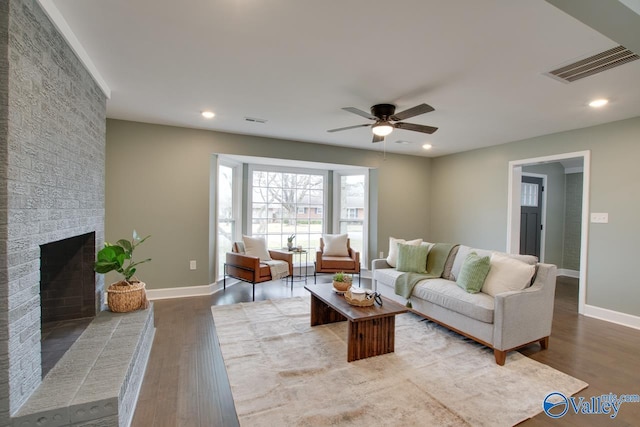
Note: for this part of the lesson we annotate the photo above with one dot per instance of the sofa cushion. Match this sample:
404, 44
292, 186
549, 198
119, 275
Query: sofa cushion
463, 251
256, 247
392, 258
507, 274
335, 245
447, 294
412, 258
265, 270
337, 263
473, 272
446, 273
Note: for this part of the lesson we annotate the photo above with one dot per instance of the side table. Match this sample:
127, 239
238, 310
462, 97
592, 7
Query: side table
301, 276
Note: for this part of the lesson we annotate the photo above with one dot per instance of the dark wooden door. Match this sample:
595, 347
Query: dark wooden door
531, 216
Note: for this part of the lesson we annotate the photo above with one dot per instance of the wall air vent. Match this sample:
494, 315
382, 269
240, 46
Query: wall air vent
254, 120
593, 65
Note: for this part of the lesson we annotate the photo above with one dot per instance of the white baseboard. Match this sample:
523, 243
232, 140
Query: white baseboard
623, 319
187, 291
569, 273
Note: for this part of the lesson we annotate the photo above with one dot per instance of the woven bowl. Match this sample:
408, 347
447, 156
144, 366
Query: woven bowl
358, 303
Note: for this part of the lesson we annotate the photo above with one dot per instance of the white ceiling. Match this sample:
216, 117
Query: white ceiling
296, 63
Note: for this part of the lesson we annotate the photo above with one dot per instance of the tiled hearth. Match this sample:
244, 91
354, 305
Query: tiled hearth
97, 381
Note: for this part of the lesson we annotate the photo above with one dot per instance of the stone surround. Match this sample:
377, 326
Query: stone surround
52, 167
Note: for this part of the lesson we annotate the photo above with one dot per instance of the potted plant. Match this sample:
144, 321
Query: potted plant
290, 241
127, 294
341, 281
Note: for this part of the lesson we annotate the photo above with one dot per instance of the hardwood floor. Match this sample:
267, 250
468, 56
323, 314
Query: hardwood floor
186, 383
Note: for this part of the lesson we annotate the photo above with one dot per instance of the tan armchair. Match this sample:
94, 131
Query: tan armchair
250, 269
334, 264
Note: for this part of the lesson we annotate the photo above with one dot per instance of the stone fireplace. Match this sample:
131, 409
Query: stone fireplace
52, 168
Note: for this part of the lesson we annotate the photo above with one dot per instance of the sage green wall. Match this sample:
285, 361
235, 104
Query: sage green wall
554, 228
469, 195
572, 221
157, 181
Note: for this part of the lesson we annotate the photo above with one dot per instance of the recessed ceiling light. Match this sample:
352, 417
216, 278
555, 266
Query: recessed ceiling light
402, 142
427, 146
598, 103
208, 114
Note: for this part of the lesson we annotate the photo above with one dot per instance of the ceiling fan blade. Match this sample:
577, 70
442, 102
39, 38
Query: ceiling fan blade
411, 112
377, 138
364, 114
415, 127
348, 127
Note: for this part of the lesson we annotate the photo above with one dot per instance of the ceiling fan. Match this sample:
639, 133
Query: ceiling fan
386, 119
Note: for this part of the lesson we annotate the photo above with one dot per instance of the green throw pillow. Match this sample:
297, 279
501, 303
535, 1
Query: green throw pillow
473, 272
412, 258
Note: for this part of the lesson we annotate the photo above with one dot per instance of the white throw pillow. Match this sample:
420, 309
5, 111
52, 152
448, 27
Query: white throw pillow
392, 258
257, 247
335, 245
507, 274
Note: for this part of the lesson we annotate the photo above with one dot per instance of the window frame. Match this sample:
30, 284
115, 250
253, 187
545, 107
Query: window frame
251, 168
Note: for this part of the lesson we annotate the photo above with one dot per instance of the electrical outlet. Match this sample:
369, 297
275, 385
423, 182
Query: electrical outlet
192, 264
381, 254
602, 218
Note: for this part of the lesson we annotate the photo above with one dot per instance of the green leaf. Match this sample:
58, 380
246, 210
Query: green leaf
106, 254
120, 259
126, 245
104, 267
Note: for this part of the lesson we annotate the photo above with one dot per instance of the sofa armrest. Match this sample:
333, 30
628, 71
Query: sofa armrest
375, 265
355, 256
525, 316
379, 263
283, 256
249, 264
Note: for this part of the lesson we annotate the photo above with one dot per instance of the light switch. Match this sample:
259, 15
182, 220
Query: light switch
192, 264
601, 218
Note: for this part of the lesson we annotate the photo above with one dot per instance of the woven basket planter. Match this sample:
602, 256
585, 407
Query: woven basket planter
341, 286
124, 296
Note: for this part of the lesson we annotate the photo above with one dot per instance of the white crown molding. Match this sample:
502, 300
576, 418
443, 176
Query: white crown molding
578, 169
61, 24
616, 317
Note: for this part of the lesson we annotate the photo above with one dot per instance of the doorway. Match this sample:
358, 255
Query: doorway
514, 209
531, 213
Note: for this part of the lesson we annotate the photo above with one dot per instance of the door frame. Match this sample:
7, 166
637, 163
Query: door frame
543, 216
513, 210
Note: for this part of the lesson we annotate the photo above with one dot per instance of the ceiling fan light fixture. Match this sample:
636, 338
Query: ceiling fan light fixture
382, 128
598, 103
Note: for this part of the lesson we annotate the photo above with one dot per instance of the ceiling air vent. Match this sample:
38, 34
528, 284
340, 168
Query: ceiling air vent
594, 64
254, 120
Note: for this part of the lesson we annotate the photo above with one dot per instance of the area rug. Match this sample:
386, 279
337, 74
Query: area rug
284, 372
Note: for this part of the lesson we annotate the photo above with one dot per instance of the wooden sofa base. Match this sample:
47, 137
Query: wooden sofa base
500, 355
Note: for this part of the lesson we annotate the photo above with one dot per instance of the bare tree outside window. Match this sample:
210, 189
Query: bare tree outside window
285, 204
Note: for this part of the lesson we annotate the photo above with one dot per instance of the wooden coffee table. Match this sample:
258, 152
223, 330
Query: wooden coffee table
371, 329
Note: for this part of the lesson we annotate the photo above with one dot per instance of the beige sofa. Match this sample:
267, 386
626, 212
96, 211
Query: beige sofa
502, 322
